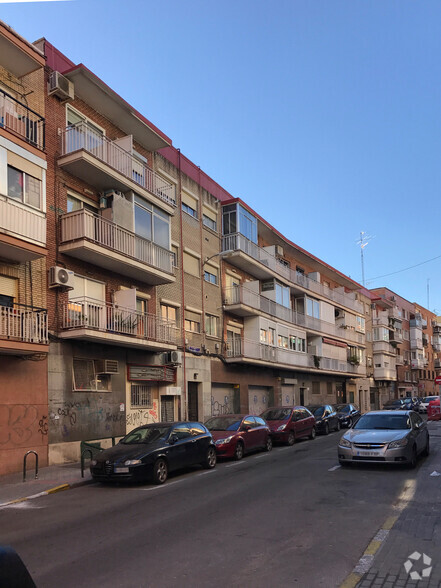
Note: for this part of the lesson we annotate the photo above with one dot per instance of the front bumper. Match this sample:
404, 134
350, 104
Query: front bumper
116, 472
401, 455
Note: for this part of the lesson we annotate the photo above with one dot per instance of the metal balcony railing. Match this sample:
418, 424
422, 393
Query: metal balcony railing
21, 120
84, 136
24, 323
84, 224
237, 242
87, 313
242, 295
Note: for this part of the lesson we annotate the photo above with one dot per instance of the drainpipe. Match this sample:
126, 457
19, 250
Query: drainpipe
184, 410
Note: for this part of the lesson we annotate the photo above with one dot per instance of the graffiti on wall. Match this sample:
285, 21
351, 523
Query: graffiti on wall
142, 416
68, 416
19, 424
221, 407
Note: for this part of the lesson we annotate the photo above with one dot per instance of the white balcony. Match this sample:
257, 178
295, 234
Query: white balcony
417, 364
385, 373
93, 320
258, 262
23, 330
92, 238
104, 164
241, 301
22, 231
383, 347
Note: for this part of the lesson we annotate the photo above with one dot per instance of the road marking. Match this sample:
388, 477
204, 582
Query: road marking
205, 473
167, 485
336, 467
231, 465
262, 455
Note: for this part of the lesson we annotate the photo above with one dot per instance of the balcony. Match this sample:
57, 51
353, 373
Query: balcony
248, 351
383, 347
258, 262
396, 336
23, 330
385, 373
241, 301
93, 320
416, 343
102, 163
399, 360
437, 363
21, 121
92, 238
417, 364
22, 231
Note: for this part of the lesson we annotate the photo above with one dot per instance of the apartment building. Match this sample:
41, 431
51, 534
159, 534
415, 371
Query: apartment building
23, 250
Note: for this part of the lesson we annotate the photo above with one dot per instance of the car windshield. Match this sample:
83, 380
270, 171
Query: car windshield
146, 435
317, 411
230, 423
343, 408
395, 422
277, 414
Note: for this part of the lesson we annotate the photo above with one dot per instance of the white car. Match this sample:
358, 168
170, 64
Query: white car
425, 403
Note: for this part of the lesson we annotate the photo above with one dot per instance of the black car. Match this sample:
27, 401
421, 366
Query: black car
326, 418
397, 404
348, 414
151, 451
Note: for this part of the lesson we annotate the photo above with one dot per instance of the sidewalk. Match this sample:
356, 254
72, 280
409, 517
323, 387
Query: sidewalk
416, 532
50, 479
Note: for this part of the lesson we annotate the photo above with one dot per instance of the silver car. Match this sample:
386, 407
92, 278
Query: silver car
383, 436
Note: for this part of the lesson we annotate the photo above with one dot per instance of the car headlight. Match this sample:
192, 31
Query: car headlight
223, 441
93, 462
281, 428
399, 443
129, 462
345, 443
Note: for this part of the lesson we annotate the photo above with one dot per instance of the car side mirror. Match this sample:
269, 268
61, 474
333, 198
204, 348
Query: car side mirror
172, 439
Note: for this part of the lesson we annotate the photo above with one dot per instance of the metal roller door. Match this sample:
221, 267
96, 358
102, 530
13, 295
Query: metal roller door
224, 399
259, 398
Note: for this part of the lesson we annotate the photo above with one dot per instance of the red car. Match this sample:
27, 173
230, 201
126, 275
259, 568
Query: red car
237, 434
288, 423
433, 411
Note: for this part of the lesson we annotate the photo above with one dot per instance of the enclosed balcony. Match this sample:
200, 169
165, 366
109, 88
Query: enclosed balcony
385, 373
92, 238
93, 320
23, 330
383, 347
260, 263
417, 364
104, 164
22, 231
21, 121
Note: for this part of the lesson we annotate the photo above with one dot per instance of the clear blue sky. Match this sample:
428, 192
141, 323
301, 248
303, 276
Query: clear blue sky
323, 115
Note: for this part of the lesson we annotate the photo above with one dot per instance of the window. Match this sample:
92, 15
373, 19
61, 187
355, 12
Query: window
192, 322
175, 258
152, 223
74, 203
361, 324
189, 210
211, 325
283, 341
263, 336
297, 343
210, 277
312, 308
190, 205
380, 334
24, 187
236, 219
191, 264
282, 295
141, 395
316, 387
86, 377
209, 218
169, 313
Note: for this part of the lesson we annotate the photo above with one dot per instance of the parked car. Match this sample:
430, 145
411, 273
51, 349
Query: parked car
425, 403
433, 410
326, 418
154, 451
237, 434
348, 414
411, 403
288, 423
397, 404
385, 437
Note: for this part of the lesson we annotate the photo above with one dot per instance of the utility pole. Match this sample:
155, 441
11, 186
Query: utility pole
363, 241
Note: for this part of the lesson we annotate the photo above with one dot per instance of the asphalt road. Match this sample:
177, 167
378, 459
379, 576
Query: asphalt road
289, 517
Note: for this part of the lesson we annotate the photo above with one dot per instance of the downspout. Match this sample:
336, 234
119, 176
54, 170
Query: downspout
202, 265
184, 411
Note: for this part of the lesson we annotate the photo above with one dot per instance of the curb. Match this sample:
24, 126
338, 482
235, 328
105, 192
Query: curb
53, 490
366, 560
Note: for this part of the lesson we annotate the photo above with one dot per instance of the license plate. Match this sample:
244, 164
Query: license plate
121, 470
368, 453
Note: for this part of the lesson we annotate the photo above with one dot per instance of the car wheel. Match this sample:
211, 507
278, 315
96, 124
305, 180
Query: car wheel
313, 433
291, 438
210, 460
326, 431
239, 451
160, 471
414, 458
426, 450
268, 444
338, 427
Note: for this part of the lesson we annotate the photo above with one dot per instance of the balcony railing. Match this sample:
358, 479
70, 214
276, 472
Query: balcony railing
87, 313
84, 136
22, 221
24, 323
21, 120
242, 295
255, 350
237, 242
83, 224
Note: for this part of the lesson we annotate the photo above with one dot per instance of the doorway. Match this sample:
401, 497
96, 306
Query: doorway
167, 409
193, 401
302, 396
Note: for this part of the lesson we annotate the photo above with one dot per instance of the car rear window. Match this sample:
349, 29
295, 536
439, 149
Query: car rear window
277, 414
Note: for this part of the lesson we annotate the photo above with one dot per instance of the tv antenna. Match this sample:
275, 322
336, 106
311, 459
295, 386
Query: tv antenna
363, 241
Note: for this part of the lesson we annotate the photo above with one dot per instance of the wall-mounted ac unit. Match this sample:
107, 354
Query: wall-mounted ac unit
107, 366
339, 313
60, 86
175, 357
60, 277
279, 250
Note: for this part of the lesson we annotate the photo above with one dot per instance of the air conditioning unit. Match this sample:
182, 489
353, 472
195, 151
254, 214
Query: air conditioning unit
60, 277
107, 366
60, 86
175, 357
339, 313
279, 250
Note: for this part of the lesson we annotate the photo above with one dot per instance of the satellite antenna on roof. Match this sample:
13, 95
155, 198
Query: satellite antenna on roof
363, 241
